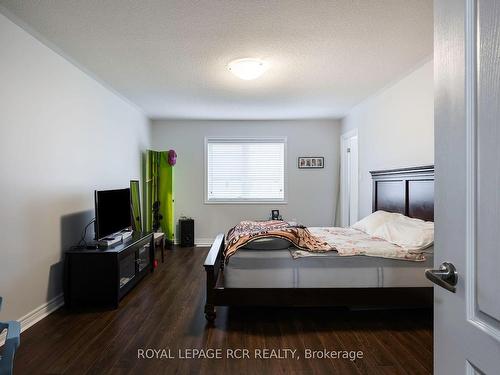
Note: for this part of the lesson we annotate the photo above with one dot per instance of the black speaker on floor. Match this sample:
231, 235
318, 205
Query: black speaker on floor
187, 232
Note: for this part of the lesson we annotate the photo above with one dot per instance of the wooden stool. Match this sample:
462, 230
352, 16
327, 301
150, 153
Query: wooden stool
159, 240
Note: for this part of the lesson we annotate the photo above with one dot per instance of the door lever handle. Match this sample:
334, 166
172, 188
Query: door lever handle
446, 276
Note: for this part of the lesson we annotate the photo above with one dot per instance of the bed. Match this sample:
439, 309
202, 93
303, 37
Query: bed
265, 277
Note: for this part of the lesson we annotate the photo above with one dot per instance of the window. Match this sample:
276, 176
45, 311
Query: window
245, 170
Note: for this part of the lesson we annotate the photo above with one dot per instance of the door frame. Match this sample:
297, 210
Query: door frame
344, 169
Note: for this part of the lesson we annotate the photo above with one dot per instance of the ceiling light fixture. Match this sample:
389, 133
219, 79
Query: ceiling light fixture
248, 68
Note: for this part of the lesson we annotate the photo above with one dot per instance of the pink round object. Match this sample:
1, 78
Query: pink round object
172, 157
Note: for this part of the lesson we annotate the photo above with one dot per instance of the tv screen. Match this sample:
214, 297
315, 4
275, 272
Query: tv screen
112, 209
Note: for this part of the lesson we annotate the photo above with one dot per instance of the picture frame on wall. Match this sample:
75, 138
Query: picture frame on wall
311, 162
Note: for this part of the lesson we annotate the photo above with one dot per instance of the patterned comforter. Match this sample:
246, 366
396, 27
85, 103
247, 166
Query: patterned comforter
348, 242
298, 235
317, 241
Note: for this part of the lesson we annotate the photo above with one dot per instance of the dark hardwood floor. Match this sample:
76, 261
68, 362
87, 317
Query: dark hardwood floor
165, 311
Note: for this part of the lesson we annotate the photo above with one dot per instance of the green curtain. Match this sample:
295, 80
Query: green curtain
135, 205
150, 180
159, 191
166, 194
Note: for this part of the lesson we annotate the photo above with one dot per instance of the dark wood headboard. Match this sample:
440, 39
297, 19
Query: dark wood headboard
409, 191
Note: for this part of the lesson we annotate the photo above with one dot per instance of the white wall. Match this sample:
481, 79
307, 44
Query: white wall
312, 194
395, 129
62, 136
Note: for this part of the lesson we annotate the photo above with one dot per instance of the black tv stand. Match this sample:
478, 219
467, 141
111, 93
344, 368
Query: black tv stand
102, 276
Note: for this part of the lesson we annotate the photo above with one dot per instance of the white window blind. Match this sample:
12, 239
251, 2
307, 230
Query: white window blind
245, 170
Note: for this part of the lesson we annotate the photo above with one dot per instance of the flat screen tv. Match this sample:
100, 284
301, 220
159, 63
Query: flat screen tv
112, 210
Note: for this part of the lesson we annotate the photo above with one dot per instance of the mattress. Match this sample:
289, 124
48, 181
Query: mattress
268, 243
277, 269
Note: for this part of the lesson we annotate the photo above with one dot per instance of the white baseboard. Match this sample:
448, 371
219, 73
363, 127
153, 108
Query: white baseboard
200, 242
37, 314
49, 307
204, 241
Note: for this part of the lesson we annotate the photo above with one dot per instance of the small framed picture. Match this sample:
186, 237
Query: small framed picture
311, 162
275, 214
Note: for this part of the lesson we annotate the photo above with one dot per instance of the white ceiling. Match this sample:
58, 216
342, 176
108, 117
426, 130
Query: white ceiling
170, 57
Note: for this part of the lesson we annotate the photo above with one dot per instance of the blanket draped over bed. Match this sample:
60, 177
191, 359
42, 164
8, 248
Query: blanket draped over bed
317, 241
349, 242
247, 231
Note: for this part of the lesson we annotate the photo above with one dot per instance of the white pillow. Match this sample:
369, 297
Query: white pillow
372, 222
409, 233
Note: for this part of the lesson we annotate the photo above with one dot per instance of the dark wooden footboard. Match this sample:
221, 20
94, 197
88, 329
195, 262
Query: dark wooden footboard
213, 265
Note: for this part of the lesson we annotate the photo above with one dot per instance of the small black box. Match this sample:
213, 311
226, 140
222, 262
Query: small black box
186, 227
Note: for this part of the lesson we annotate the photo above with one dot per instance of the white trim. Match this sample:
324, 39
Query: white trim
349, 134
283, 139
200, 242
37, 314
246, 139
204, 242
238, 202
344, 197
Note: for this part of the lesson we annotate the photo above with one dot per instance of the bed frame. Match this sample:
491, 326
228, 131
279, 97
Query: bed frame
409, 191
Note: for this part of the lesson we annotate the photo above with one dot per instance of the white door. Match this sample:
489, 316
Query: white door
467, 136
349, 178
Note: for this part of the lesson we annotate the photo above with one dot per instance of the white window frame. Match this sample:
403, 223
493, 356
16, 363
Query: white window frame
252, 140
